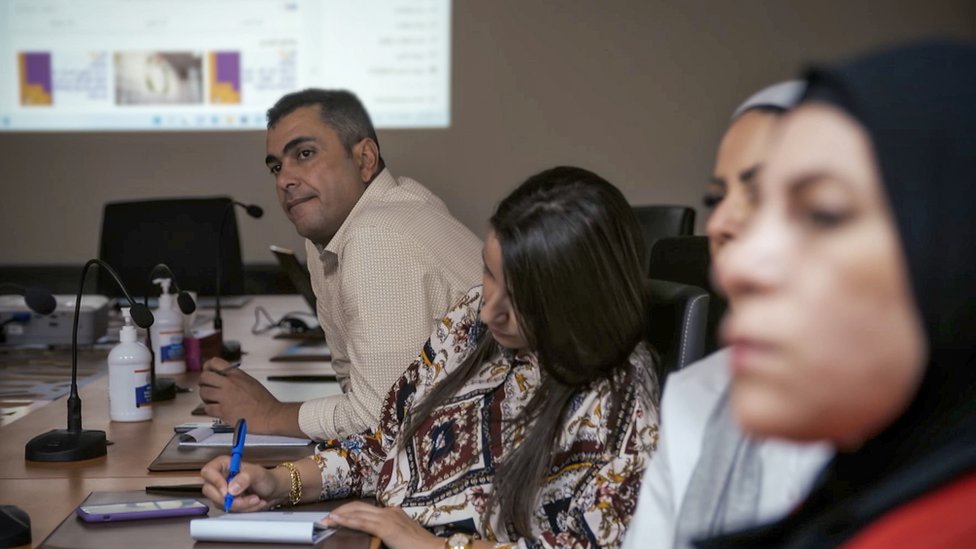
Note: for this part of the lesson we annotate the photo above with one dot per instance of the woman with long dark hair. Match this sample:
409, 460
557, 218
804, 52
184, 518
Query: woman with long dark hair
531, 410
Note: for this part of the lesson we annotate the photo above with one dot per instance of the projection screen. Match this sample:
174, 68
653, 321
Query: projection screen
122, 65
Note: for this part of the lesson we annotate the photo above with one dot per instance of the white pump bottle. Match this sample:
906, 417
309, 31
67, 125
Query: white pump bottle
129, 388
166, 333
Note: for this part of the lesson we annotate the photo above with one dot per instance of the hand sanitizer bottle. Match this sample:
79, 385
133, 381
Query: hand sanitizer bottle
166, 333
129, 388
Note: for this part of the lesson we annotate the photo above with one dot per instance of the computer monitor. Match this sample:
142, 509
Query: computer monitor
297, 273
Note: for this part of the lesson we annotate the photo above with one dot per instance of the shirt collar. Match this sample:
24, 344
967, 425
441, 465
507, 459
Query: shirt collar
383, 182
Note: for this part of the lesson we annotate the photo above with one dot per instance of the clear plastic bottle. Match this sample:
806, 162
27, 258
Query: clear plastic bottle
166, 333
129, 389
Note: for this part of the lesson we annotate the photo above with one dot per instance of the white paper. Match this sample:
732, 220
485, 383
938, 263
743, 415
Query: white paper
267, 526
226, 440
198, 434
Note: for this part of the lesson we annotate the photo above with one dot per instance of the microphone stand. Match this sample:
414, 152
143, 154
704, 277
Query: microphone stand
74, 443
230, 350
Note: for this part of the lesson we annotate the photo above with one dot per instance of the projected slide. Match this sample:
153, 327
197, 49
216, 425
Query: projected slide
183, 65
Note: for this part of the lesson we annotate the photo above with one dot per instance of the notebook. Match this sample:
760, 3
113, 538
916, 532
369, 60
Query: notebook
263, 527
174, 533
206, 437
176, 457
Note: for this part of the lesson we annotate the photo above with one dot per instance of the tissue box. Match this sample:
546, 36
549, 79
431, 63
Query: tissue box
201, 345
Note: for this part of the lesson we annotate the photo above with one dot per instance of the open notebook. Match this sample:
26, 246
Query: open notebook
263, 527
179, 457
204, 436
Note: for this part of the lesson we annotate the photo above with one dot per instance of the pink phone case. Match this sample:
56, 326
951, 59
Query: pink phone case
111, 512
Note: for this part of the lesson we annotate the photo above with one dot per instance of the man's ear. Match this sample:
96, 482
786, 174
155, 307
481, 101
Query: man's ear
366, 155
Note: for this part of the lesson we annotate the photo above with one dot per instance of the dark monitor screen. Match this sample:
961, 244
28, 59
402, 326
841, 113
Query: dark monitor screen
297, 273
182, 233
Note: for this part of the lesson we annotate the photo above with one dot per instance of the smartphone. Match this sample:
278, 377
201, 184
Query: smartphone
137, 510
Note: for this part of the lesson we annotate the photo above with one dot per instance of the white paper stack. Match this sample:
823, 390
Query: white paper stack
266, 527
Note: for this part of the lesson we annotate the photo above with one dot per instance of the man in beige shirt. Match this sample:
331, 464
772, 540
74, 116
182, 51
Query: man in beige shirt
386, 260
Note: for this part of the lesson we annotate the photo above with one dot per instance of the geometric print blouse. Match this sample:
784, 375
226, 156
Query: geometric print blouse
442, 478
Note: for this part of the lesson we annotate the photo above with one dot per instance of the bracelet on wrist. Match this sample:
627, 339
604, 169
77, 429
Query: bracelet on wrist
295, 491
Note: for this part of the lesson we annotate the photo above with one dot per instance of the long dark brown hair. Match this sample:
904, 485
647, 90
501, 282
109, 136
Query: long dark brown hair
573, 258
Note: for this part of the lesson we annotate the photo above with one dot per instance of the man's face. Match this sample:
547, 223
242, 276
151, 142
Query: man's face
317, 180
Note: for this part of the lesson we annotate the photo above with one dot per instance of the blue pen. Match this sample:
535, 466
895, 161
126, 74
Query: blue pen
235, 459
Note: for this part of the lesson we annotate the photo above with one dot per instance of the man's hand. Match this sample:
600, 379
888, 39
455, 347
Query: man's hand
231, 394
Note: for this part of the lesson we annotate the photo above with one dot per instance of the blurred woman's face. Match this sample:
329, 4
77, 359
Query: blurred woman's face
497, 311
731, 190
825, 336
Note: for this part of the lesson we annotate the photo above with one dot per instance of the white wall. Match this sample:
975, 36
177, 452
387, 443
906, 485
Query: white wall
638, 91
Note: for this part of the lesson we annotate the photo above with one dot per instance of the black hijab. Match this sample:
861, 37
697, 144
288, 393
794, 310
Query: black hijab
918, 105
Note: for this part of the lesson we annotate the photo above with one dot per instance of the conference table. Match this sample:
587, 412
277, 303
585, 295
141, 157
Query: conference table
49, 492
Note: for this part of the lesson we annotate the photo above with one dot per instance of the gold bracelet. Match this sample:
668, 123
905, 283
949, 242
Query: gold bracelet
317, 458
295, 494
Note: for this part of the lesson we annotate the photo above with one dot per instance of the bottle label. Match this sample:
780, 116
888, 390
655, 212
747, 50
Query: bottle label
172, 349
129, 392
144, 396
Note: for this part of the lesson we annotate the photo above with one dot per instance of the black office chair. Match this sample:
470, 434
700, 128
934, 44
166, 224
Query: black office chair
180, 232
677, 319
663, 221
687, 260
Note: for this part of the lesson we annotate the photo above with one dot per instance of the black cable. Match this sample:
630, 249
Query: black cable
281, 322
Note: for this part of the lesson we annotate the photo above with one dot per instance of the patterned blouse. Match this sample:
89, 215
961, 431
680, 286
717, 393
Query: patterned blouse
443, 477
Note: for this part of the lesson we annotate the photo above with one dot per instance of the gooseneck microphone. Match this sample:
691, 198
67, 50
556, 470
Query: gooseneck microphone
164, 388
231, 349
38, 299
183, 298
73, 443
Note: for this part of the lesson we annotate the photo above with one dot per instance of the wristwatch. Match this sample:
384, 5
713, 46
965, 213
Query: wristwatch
458, 541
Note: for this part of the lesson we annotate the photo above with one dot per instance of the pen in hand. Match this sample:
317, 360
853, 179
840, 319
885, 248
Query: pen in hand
229, 368
240, 432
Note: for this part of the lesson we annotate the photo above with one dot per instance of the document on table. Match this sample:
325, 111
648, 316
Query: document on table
205, 437
267, 527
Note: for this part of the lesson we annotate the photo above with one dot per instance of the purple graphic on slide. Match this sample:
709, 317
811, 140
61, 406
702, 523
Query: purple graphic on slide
38, 69
229, 68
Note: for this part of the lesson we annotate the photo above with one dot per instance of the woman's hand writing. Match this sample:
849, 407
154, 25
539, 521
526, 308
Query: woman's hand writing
254, 488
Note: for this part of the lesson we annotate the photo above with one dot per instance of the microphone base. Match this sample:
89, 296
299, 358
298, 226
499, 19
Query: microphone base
231, 350
15, 526
164, 389
65, 445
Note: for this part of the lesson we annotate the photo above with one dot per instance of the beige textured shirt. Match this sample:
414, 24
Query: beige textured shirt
397, 263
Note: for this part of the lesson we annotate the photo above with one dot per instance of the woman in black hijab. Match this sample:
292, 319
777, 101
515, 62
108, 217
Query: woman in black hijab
853, 302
